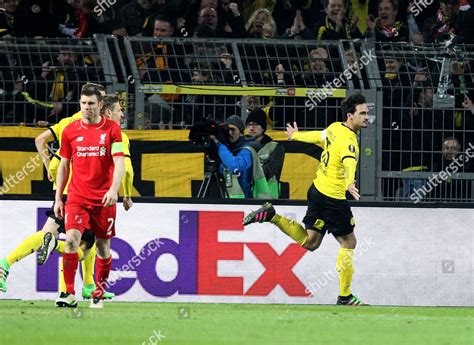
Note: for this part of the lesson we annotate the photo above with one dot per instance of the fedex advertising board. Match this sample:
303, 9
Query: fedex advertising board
202, 253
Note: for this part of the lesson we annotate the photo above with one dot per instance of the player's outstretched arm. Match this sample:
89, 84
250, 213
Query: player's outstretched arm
310, 137
110, 198
61, 181
40, 143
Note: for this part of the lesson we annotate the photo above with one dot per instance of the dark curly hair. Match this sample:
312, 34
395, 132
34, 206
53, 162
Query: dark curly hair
349, 105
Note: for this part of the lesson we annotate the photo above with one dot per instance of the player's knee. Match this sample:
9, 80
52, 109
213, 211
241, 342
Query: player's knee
349, 244
72, 243
50, 226
312, 244
102, 248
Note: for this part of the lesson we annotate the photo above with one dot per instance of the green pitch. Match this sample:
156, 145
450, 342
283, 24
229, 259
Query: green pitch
26, 322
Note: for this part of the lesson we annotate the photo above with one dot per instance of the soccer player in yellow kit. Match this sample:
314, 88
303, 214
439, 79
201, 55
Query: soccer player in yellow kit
328, 209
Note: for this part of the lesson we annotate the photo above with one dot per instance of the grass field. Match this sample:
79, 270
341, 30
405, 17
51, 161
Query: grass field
38, 322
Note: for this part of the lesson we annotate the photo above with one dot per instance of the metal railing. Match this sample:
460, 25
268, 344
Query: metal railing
418, 95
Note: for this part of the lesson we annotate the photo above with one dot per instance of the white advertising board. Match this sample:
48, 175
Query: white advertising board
202, 253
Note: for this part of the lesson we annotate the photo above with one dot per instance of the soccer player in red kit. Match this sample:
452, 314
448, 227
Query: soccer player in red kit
93, 146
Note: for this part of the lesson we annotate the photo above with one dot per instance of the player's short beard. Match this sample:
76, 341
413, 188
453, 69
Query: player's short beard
93, 116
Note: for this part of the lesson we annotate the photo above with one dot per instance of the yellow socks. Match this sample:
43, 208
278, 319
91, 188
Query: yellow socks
61, 247
291, 228
62, 283
29, 245
345, 267
88, 267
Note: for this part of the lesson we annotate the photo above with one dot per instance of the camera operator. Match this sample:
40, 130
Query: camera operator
240, 165
270, 153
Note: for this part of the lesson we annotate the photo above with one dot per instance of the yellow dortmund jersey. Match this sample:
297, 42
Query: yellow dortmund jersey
127, 180
58, 128
57, 131
338, 160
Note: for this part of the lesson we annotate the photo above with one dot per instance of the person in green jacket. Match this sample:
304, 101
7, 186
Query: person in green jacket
271, 153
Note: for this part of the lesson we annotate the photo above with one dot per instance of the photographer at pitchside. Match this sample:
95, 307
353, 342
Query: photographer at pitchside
240, 165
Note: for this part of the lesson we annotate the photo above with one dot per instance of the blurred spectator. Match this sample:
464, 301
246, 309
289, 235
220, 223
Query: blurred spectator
34, 20
468, 133
199, 107
334, 25
253, 103
316, 73
298, 30
417, 13
396, 88
411, 148
251, 6
162, 62
79, 20
208, 17
285, 11
439, 27
194, 9
385, 28
450, 150
261, 24
355, 71
448, 22
8, 13
270, 153
453, 161
63, 79
135, 17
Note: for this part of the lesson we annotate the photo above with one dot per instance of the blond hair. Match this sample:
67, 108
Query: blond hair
269, 20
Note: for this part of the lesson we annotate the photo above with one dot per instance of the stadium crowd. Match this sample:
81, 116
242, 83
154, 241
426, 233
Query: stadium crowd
414, 130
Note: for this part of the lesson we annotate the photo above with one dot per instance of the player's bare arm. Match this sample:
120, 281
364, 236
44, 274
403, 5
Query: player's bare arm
40, 143
110, 198
61, 180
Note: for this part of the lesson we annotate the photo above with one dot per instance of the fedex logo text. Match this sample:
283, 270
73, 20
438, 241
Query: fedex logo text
197, 254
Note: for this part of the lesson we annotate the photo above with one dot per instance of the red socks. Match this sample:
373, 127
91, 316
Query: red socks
102, 270
70, 261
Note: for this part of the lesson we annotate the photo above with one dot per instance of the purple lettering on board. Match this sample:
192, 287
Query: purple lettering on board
124, 262
47, 274
185, 253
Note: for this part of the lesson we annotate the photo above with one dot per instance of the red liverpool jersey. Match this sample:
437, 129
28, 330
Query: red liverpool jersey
91, 148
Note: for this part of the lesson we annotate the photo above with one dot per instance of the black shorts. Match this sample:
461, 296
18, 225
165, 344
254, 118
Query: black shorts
87, 236
328, 214
60, 222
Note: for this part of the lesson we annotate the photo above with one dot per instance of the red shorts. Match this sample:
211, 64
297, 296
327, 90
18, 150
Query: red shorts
100, 220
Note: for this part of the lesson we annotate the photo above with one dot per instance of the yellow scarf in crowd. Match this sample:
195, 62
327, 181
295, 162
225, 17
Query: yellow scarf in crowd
57, 93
